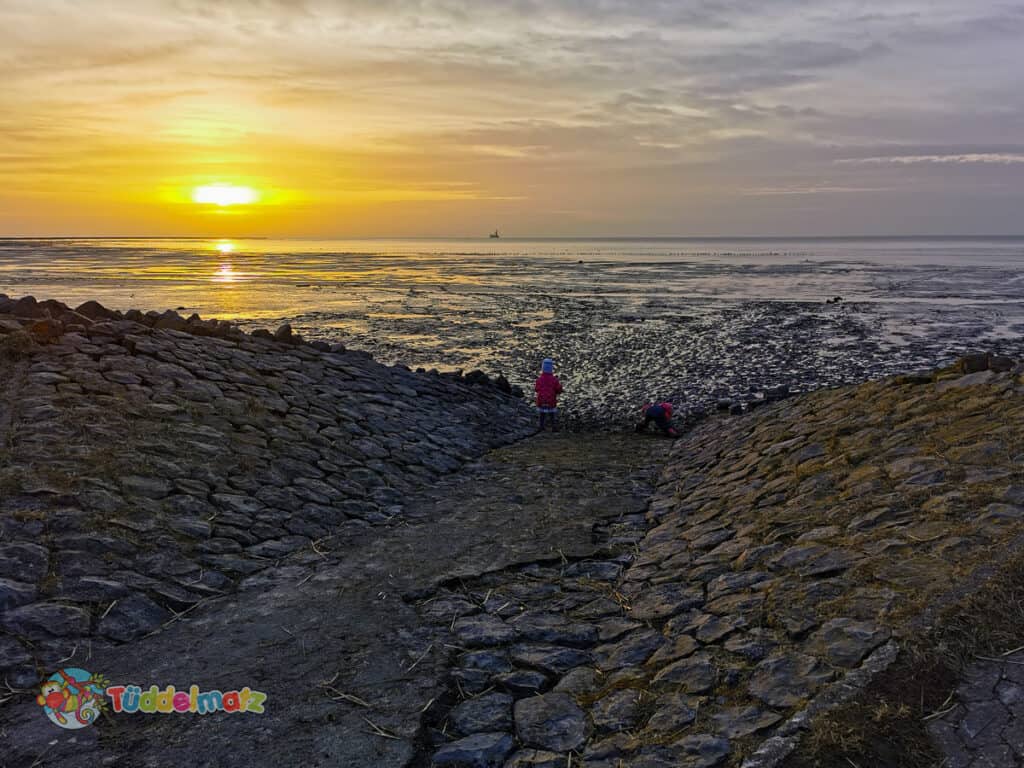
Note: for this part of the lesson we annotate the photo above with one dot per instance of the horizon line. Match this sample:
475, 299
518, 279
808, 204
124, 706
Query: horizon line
524, 238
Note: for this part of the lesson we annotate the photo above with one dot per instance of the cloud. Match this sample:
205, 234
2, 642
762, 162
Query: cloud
988, 158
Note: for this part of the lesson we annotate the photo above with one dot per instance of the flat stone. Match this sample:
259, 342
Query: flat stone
482, 750
553, 628
46, 618
742, 721
147, 487
15, 593
12, 653
695, 674
631, 651
844, 642
536, 758
486, 714
833, 561
679, 648
484, 630
787, 679
131, 617
754, 645
983, 718
23, 561
579, 682
522, 681
702, 751
551, 721
618, 711
550, 658
673, 712
664, 600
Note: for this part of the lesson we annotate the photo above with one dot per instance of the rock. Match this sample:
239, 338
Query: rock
551, 721
787, 679
12, 653
742, 721
702, 751
94, 311
617, 711
695, 674
553, 628
482, 750
972, 363
483, 631
673, 712
632, 651
536, 758
45, 331
131, 617
550, 658
970, 380
522, 681
844, 642
23, 561
578, 682
147, 487
664, 600
15, 593
48, 618
485, 714
284, 333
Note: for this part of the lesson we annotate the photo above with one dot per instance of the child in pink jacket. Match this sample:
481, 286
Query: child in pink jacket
548, 388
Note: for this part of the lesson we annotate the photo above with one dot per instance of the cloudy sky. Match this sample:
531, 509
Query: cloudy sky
541, 117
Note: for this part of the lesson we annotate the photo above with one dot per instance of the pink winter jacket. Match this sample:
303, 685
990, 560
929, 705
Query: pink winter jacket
548, 388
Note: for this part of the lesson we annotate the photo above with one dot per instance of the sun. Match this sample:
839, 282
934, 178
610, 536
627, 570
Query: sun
224, 195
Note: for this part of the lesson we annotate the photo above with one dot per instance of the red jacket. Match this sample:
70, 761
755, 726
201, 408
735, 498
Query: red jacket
548, 388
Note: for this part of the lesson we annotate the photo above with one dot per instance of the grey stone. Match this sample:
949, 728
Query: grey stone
483, 631
536, 758
23, 561
673, 713
482, 750
46, 618
844, 642
786, 679
551, 721
617, 711
131, 617
702, 751
742, 721
666, 600
695, 674
15, 593
631, 651
553, 628
522, 681
12, 653
485, 714
550, 658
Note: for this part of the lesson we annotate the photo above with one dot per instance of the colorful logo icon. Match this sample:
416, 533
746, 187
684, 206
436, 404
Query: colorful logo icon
73, 698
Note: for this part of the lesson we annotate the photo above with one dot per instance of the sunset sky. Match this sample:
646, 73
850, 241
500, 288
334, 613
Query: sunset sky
541, 117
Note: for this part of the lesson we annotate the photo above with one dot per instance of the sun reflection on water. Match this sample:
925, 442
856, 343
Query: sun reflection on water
225, 274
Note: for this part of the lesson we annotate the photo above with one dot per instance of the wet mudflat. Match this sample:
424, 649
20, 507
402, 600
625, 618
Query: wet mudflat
625, 321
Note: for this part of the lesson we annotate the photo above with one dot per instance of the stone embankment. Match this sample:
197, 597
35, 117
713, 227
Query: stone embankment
786, 557
149, 462
279, 510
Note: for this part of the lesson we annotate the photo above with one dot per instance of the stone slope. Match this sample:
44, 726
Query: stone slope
787, 555
144, 469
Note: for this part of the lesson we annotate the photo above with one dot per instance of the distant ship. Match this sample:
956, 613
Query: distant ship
495, 234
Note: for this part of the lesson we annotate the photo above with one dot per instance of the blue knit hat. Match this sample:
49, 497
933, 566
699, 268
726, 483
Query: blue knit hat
548, 366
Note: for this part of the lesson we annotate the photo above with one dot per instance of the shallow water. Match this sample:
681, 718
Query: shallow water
625, 319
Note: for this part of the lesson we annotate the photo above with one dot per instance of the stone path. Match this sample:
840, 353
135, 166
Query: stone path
985, 726
354, 675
